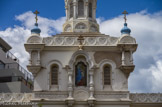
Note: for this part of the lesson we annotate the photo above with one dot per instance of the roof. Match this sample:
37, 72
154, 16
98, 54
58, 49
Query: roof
5, 46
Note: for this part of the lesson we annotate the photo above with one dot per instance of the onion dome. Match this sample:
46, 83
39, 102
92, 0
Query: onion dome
36, 29
125, 29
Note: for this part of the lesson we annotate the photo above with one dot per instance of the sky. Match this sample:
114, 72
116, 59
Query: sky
144, 20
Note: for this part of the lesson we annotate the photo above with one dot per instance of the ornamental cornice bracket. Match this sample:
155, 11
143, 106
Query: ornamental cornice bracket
34, 69
91, 102
70, 102
128, 47
31, 46
94, 68
127, 69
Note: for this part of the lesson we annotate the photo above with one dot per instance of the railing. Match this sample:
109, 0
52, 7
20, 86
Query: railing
20, 68
29, 84
13, 57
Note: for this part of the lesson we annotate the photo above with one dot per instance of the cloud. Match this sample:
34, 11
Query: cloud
148, 80
18, 35
146, 28
48, 26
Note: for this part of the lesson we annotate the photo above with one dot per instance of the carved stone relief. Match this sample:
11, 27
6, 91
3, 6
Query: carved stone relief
34, 39
15, 97
146, 98
81, 95
93, 29
73, 41
127, 39
68, 28
80, 26
51, 95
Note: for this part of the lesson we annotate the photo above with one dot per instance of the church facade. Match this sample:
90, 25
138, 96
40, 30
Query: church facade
81, 67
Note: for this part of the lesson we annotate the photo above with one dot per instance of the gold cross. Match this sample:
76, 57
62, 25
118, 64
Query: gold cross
36, 17
125, 13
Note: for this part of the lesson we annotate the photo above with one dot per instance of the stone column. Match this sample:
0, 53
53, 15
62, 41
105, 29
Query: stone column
66, 10
38, 60
91, 83
75, 8
91, 99
123, 57
131, 57
70, 83
30, 57
94, 13
86, 10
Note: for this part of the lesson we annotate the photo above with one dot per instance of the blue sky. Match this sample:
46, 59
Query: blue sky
144, 19
54, 9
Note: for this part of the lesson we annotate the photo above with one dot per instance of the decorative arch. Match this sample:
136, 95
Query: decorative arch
107, 70
81, 53
68, 28
56, 65
109, 62
80, 26
81, 63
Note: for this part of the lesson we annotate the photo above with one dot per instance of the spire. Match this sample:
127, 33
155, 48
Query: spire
36, 30
125, 29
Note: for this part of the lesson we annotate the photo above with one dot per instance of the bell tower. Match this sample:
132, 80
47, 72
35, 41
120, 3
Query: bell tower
81, 16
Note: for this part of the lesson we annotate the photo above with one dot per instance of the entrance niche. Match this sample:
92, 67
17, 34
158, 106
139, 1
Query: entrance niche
81, 72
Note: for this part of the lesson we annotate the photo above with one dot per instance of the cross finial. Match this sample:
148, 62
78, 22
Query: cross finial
36, 17
125, 13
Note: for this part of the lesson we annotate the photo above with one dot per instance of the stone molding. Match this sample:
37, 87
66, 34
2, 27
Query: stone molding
73, 41
104, 95
15, 97
146, 97
136, 98
51, 95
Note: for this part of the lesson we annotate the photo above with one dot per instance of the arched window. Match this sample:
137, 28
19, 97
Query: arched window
71, 9
107, 75
80, 74
80, 8
54, 75
90, 9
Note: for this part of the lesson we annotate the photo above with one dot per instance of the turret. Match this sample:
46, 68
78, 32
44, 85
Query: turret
80, 16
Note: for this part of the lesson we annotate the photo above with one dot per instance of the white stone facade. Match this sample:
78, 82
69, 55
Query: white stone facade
94, 51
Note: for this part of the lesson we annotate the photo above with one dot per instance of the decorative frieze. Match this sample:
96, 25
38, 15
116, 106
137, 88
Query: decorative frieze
146, 98
73, 41
111, 95
51, 95
15, 97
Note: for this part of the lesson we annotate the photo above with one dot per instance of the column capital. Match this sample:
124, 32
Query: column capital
86, 4
94, 67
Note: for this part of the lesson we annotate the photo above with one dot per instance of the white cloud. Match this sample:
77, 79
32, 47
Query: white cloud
47, 26
148, 80
146, 28
18, 35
